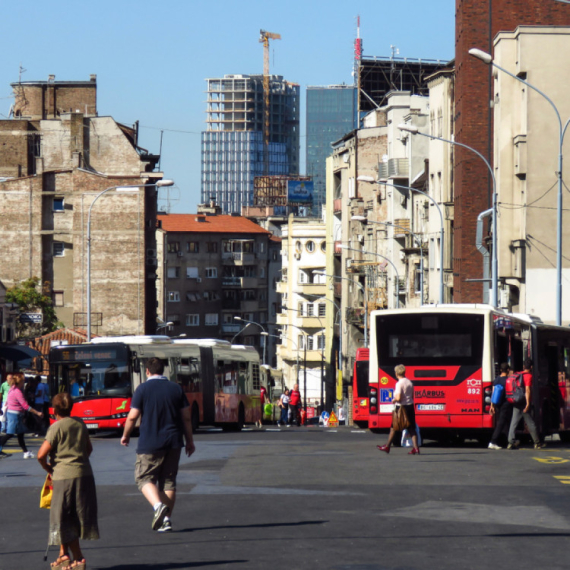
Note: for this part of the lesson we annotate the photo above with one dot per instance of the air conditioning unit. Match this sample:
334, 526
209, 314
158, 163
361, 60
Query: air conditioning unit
198, 280
360, 238
151, 252
152, 261
180, 253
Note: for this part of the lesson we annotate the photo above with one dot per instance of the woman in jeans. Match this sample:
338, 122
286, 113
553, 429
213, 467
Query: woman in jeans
284, 405
15, 411
404, 396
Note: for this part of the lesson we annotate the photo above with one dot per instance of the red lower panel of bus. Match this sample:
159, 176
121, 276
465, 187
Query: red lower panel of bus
101, 414
228, 405
470, 421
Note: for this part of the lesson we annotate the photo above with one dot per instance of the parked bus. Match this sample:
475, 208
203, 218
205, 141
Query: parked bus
364, 389
221, 381
452, 354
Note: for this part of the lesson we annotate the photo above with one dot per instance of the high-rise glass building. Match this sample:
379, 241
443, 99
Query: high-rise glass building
331, 113
233, 145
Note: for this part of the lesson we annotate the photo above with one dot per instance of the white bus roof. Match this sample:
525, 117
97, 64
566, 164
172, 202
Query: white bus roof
134, 339
202, 341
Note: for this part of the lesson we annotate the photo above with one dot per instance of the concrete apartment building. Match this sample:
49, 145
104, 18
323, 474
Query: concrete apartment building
477, 24
56, 156
526, 150
212, 268
302, 356
233, 145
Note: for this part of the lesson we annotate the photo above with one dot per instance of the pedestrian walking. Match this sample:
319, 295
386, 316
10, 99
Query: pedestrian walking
523, 411
284, 405
295, 405
502, 410
4, 388
404, 396
65, 456
16, 408
166, 421
41, 404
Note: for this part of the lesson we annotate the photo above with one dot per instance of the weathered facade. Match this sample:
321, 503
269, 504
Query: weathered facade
56, 157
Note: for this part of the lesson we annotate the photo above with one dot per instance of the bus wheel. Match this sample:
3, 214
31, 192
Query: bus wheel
195, 418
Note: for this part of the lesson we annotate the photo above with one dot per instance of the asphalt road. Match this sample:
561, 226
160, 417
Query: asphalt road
312, 498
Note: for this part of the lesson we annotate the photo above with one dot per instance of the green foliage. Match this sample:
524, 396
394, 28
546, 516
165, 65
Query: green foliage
31, 297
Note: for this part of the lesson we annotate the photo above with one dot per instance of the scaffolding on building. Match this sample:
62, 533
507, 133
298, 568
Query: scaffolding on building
272, 190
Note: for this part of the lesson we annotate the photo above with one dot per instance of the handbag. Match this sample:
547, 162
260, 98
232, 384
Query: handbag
400, 419
45, 495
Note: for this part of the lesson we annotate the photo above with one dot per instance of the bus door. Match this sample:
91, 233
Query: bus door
209, 381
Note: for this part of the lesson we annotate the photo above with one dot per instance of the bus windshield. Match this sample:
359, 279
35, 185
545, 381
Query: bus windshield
91, 371
433, 339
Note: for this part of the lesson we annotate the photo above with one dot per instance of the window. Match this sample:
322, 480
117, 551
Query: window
58, 298
310, 310
310, 246
58, 205
299, 246
211, 272
173, 272
321, 342
262, 272
211, 319
193, 320
301, 341
211, 296
191, 273
193, 247
212, 247
310, 343
322, 309
58, 249
302, 277
174, 319
173, 247
262, 247
192, 297
173, 296
323, 246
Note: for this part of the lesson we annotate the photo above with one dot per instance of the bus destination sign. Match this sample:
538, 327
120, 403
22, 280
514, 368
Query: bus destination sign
79, 355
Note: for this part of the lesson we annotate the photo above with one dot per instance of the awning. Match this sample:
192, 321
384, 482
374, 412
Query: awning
16, 352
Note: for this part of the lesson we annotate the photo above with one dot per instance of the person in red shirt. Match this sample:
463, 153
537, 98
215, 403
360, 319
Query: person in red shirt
294, 405
263, 399
523, 412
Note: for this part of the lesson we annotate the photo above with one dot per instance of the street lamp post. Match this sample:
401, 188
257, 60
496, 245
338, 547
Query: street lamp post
397, 288
129, 188
488, 59
442, 230
304, 334
365, 219
239, 332
494, 271
261, 327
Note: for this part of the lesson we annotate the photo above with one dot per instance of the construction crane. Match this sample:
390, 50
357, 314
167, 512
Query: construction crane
264, 38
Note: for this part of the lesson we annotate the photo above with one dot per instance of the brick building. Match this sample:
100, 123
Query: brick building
477, 24
56, 157
213, 268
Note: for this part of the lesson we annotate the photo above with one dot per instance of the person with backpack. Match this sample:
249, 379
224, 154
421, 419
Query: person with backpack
501, 408
521, 408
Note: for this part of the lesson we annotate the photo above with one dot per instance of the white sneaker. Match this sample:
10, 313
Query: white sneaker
28, 455
493, 446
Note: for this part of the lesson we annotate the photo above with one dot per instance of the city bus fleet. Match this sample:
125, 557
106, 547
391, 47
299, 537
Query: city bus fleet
452, 354
221, 381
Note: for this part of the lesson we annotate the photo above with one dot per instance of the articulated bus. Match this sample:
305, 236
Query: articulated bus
221, 381
452, 354
364, 390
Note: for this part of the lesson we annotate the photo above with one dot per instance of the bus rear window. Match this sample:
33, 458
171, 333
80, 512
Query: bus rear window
430, 340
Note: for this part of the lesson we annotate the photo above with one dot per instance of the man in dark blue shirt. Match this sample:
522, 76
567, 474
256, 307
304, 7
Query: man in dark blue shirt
165, 422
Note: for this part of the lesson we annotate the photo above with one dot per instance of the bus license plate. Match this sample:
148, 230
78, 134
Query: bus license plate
386, 408
92, 426
431, 407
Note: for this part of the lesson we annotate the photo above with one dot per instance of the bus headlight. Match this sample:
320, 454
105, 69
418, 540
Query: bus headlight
121, 415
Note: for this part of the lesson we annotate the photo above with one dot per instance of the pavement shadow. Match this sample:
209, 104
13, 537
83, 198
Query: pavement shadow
267, 525
174, 565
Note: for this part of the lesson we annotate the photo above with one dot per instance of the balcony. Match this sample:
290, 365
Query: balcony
281, 287
312, 288
355, 316
401, 226
243, 282
231, 328
231, 304
312, 322
338, 248
337, 206
238, 258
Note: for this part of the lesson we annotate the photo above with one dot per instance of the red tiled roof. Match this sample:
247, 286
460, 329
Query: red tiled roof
222, 224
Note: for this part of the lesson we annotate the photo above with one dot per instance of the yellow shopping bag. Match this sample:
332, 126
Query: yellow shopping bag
45, 496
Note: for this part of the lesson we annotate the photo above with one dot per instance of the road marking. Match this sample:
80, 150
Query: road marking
272, 430
564, 479
357, 431
331, 430
551, 459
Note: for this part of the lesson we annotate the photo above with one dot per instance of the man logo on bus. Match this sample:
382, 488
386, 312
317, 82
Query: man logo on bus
123, 406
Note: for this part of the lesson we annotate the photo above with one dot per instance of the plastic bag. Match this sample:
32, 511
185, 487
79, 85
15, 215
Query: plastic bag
45, 495
407, 438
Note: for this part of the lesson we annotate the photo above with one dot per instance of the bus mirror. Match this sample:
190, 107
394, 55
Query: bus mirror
136, 364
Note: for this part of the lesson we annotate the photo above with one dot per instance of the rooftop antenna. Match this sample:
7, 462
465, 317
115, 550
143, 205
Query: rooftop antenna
22, 70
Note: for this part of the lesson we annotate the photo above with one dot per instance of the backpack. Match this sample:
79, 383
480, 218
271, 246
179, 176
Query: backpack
498, 395
514, 389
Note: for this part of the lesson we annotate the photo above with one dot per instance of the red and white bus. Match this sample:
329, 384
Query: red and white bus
364, 389
452, 354
221, 381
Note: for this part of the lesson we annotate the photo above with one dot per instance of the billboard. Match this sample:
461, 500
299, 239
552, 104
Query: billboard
300, 191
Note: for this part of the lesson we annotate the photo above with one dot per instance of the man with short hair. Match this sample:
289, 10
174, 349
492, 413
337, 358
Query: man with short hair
165, 421
523, 410
295, 405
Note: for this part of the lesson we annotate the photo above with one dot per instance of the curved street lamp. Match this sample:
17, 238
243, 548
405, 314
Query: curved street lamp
260, 326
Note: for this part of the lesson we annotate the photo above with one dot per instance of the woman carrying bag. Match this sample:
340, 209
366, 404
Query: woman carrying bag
404, 411
73, 513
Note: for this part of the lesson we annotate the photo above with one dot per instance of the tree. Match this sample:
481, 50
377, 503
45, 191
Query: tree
33, 298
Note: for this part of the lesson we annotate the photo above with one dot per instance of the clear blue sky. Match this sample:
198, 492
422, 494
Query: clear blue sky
151, 58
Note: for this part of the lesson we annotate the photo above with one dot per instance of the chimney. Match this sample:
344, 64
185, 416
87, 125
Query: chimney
51, 78
93, 78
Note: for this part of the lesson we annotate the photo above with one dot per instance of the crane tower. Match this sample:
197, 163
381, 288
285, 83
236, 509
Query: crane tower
264, 38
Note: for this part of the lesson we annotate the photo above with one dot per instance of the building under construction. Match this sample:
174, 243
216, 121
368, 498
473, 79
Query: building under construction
234, 149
